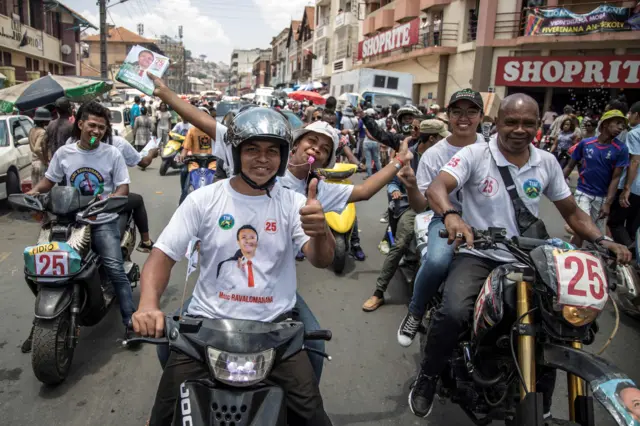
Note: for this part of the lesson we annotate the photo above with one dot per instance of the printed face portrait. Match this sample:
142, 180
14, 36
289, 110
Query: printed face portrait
248, 242
145, 59
630, 397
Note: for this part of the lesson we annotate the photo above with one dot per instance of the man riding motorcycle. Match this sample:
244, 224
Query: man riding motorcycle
465, 112
478, 170
99, 169
252, 212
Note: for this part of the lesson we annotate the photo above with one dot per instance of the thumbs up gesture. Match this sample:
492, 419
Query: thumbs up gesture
312, 215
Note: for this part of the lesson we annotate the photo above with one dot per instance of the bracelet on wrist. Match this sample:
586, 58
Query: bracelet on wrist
450, 211
397, 158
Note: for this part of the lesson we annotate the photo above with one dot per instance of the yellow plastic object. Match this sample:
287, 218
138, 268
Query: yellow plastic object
176, 137
343, 222
171, 147
339, 172
578, 316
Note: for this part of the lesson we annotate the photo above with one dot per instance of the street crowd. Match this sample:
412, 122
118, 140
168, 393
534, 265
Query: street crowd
268, 204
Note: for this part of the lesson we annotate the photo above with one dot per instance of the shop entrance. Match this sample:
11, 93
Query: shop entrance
580, 98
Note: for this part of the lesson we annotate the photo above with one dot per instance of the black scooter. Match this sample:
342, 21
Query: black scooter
66, 275
240, 354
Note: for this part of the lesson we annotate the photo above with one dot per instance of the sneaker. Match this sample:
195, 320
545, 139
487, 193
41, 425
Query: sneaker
423, 391
384, 247
357, 253
145, 247
384, 220
26, 346
408, 330
300, 256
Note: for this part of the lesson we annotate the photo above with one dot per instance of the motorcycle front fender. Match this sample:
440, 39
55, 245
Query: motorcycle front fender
605, 379
51, 301
342, 222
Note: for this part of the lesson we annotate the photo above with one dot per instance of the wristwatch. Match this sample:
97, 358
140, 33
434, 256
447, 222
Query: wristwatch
601, 239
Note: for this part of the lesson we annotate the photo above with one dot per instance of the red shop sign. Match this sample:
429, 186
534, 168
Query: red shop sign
569, 71
401, 36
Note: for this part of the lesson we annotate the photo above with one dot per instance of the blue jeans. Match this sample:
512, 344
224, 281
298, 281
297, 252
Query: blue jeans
433, 270
106, 243
372, 152
184, 183
306, 317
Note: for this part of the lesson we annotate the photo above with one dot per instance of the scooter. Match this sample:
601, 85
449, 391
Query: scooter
240, 354
203, 175
170, 151
341, 224
627, 292
66, 275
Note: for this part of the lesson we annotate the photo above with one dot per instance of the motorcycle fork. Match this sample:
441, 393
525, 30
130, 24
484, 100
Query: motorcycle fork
526, 342
74, 330
580, 405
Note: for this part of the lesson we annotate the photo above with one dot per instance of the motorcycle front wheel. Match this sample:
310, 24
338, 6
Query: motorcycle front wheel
51, 353
340, 254
166, 163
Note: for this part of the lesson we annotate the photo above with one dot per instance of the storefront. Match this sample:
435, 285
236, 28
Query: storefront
581, 81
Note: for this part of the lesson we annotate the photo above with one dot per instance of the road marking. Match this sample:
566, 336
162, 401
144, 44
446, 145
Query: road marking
4, 255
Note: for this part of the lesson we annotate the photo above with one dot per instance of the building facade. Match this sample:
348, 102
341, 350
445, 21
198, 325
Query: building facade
291, 71
38, 39
503, 46
175, 75
241, 71
119, 42
279, 55
262, 69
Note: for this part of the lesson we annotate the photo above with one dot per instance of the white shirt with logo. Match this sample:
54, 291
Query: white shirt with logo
432, 161
486, 202
254, 278
333, 197
131, 156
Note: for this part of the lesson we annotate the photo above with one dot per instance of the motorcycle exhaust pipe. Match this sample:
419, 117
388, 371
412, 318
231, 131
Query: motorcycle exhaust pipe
73, 318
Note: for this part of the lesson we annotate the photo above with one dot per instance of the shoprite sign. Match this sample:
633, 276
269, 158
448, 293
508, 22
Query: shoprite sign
560, 21
401, 36
569, 71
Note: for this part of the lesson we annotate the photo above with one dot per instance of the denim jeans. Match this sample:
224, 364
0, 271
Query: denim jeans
184, 183
372, 152
305, 316
433, 270
106, 243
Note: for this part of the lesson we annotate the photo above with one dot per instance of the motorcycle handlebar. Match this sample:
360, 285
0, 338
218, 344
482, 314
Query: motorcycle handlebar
318, 335
151, 340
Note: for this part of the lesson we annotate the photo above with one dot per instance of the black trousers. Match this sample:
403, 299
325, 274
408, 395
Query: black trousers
624, 222
467, 274
136, 204
295, 376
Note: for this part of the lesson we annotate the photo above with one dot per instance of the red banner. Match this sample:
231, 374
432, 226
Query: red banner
401, 36
569, 71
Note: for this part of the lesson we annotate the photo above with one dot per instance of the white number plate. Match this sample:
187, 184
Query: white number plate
582, 280
54, 263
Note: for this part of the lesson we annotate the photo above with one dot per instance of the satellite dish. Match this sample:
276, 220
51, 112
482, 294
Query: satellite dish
65, 49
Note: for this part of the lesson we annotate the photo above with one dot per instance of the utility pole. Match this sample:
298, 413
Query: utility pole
103, 38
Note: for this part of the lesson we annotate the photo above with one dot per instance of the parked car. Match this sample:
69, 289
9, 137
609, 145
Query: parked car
120, 121
15, 153
224, 107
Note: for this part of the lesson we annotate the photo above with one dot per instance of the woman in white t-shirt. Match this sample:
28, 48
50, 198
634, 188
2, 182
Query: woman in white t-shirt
253, 212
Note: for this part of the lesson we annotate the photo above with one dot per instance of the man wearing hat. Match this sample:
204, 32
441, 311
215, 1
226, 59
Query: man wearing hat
348, 121
431, 131
602, 159
39, 145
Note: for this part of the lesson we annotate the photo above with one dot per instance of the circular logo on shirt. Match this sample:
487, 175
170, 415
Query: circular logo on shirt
88, 181
270, 226
488, 187
532, 188
226, 222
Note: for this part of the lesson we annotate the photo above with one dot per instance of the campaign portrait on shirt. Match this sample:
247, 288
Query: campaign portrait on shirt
240, 265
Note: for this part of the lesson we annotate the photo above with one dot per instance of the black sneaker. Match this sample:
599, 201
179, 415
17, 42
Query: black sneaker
423, 390
26, 345
357, 253
408, 329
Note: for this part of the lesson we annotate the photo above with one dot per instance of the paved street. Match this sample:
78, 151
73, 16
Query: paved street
366, 383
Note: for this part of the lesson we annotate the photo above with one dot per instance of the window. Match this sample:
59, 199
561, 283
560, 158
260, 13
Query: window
29, 64
17, 130
5, 58
4, 141
26, 124
36, 65
392, 83
379, 80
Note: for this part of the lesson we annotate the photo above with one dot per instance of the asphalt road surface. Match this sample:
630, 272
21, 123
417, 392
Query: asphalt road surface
367, 382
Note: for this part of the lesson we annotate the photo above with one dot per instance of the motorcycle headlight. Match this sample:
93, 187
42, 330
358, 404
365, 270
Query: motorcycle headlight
577, 316
240, 369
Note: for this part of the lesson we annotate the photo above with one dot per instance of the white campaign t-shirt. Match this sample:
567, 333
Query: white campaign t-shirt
254, 279
432, 161
486, 201
222, 151
333, 197
131, 156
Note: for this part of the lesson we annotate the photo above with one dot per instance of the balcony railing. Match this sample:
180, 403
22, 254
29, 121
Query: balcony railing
344, 18
472, 29
443, 35
511, 25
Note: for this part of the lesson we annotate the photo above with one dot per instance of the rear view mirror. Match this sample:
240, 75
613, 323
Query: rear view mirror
23, 141
24, 201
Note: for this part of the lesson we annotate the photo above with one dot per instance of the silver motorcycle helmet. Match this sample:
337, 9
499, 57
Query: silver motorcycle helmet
406, 128
262, 124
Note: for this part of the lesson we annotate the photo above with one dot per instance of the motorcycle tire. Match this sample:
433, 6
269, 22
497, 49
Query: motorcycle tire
340, 254
50, 354
164, 167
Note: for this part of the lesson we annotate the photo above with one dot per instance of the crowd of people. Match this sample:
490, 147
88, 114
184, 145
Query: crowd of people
450, 162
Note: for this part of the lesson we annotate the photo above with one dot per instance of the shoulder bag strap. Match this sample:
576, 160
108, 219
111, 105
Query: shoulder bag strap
524, 218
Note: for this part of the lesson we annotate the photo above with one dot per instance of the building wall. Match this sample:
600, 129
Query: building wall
459, 72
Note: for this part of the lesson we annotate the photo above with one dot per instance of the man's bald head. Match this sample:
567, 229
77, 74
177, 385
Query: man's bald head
518, 101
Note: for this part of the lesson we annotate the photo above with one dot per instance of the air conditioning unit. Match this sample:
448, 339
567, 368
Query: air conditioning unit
338, 65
